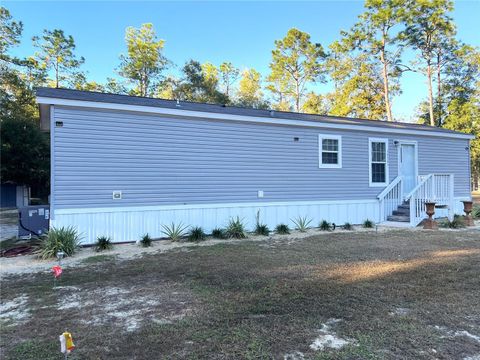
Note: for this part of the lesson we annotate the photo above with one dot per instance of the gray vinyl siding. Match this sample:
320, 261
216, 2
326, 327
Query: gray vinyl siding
158, 160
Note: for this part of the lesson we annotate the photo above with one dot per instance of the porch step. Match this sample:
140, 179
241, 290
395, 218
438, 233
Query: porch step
402, 214
399, 218
401, 211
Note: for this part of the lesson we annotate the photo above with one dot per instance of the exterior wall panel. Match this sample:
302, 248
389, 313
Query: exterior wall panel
157, 160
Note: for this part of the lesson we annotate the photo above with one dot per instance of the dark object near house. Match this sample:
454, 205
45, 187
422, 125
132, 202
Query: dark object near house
14, 196
33, 220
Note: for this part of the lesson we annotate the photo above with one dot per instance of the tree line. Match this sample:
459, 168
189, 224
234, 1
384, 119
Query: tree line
364, 66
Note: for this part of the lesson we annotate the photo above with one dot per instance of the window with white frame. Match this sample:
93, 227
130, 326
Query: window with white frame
378, 161
330, 151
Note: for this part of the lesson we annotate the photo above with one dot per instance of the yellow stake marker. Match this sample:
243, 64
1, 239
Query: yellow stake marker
66, 343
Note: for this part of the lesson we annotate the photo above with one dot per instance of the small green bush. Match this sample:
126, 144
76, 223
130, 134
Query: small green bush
456, 223
218, 233
347, 226
146, 240
261, 229
174, 231
325, 225
368, 224
282, 229
196, 234
64, 239
476, 211
235, 229
301, 223
103, 243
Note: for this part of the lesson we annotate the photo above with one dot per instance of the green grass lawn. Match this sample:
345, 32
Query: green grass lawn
396, 295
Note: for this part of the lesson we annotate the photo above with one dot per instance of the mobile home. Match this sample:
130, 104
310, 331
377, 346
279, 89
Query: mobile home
122, 165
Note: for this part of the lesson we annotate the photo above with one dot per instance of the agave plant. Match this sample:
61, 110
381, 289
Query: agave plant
325, 225
235, 228
476, 211
146, 240
347, 226
260, 229
456, 223
103, 243
368, 224
301, 223
282, 229
174, 231
196, 234
218, 233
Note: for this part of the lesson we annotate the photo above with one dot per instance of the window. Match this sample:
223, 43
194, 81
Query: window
378, 161
330, 151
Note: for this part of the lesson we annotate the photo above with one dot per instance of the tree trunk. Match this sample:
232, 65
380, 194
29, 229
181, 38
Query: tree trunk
227, 88
439, 92
56, 75
430, 93
386, 90
297, 97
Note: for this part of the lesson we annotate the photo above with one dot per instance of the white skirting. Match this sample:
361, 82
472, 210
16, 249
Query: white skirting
130, 223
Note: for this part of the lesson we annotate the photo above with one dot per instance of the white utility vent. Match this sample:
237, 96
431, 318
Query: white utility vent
117, 195
260, 193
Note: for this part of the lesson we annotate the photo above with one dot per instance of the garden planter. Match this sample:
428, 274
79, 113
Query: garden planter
430, 210
467, 208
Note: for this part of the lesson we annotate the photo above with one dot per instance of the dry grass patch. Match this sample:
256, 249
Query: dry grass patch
364, 295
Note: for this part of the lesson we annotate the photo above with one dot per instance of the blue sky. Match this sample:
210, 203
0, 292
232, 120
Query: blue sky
240, 32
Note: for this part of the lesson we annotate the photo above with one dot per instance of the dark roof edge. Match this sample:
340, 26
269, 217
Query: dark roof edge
81, 95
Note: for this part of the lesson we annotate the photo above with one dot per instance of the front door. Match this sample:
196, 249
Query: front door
407, 167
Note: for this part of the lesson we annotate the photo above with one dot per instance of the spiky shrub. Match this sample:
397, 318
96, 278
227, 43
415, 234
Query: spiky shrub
218, 233
196, 234
65, 239
302, 223
235, 228
174, 231
347, 226
103, 243
368, 224
476, 211
456, 223
146, 240
260, 228
282, 229
325, 225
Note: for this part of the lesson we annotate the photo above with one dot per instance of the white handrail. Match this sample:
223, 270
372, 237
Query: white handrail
423, 180
436, 188
390, 198
389, 187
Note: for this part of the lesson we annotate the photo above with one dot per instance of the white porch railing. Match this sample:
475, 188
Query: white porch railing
390, 198
436, 188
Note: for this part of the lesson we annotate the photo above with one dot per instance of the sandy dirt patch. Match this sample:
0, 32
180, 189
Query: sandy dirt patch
128, 307
328, 338
15, 311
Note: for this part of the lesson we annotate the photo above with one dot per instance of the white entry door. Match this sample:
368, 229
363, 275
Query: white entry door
408, 167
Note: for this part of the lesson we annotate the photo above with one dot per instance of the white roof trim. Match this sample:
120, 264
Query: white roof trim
243, 118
